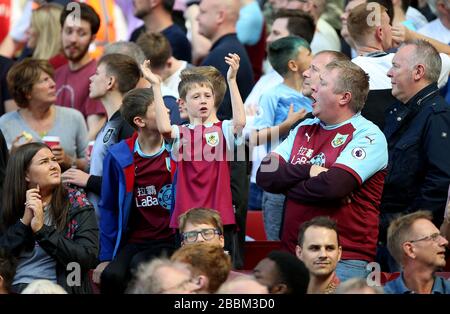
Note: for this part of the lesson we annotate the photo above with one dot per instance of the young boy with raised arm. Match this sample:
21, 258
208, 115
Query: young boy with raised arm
202, 149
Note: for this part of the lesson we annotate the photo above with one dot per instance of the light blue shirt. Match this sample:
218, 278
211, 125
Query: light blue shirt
365, 154
274, 106
250, 24
397, 286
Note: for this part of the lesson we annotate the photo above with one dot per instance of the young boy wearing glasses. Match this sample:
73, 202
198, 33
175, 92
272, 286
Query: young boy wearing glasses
201, 225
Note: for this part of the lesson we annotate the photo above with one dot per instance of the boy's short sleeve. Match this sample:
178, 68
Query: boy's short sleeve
173, 146
285, 147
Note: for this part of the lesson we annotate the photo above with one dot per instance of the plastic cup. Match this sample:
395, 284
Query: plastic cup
51, 141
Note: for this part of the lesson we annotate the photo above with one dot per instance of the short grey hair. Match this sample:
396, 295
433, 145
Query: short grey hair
424, 53
146, 281
127, 48
43, 286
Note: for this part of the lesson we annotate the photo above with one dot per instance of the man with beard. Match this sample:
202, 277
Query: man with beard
318, 247
72, 79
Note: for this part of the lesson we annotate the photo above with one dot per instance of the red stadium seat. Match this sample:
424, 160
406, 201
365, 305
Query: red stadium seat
257, 250
255, 225
386, 277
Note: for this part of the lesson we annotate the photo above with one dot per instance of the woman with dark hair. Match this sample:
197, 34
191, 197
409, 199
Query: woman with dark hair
50, 228
31, 84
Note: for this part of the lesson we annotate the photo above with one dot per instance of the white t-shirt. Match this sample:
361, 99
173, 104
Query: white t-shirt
377, 68
436, 30
325, 38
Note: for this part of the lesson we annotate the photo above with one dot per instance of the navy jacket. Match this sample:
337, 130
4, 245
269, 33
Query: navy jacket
418, 135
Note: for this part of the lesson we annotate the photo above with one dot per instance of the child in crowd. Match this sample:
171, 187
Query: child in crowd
136, 197
201, 225
201, 149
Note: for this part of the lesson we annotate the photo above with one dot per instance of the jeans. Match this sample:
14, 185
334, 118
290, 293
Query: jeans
272, 206
351, 268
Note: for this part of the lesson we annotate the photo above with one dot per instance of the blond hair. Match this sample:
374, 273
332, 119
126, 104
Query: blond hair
45, 21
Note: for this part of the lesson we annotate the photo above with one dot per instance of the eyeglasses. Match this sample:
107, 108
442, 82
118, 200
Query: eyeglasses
207, 234
434, 237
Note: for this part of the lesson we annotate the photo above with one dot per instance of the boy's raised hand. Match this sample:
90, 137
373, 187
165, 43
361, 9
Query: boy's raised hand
149, 75
233, 61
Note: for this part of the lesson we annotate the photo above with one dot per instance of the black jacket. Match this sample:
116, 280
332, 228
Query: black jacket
78, 243
4, 154
418, 136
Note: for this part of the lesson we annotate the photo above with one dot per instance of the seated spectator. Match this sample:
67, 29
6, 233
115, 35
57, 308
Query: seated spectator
210, 264
358, 286
8, 266
201, 225
32, 87
282, 273
162, 276
135, 197
416, 244
318, 247
242, 285
44, 224
42, 286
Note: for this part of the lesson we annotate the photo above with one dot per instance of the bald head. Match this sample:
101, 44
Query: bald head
218, 18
